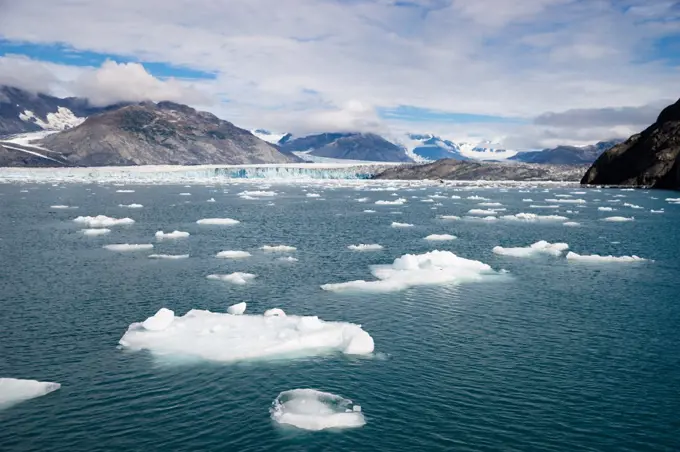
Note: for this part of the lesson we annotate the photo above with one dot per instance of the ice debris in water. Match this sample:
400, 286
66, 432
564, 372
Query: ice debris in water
125, 191
313, 410
102, 221
567, 201
656, 211
278, 248
540, 247
532, 217
396, 202
288, 259
571, 224
396, 224
14, 390
481, 212
237, 309
632, 206
369, 211
433, 268
61, 206
228, 338
218, 221
440, 237
131, 206
256, 194
366, 247
232, 254
313, 195
211, 200
160, 235
618, 219
606, 209
595, 258
234, 278
168, 256
129, 247
95, 231
449, 217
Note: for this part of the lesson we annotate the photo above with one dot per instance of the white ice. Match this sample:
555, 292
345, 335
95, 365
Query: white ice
185, 194
571, 223
490, 204
618, 219
228, 338
101, 221
432, 268
369, 211
13, 390
61, 206
288, 259
540, 247
313, 195
257, 194
160, 320
125, 191
481, 212
632, 206
131, 206
95, 231
595, 258
449, 217
168, 256
366, 247
160, 235
606, 209
313, 410
274, 312
218, 221
239, 278
567, 201
211, 200
396, 202
532, 217
122, 247
656, 211
237, 309
396, 224
233, 254
278, 248
440, 237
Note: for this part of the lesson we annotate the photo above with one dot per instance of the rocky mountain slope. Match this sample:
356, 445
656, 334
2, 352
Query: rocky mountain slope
566, 155
451, 169
348, 146
650, 158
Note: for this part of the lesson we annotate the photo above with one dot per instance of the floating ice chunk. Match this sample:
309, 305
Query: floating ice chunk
540, 247
228, 338
13, 390
532, 217
160, 321
487, 218
231, 254
563, 196
673, 200
396, 224
131, 206
433, 268
578, 193
278, 248
61, 206
274, 312
571, 223
257, 194
125, 191
101, 221
396, 202
478, 198
606, 209
656, 211
618, 219
313, 195
595, 258
490, 204
122, 247
449, 217
567, 201
632, 206
481, 212
168, 256
440, 237
527, 200
288, 259
95, 231
455, 197
237, 309
211, 200
218, 221
369, 211
550, 206
366, 247
313, 410
239, 278
427, 200
362, 200
185, 194
160, 235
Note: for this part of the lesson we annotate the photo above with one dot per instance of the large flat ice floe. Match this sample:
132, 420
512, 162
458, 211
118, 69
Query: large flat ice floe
168, 256
532, 217
313, 410
123, 247
232, 254
396, 202
239, 278
95, 231
278, 248
13, 390
366, 247
540, 247
440, 237
225, 337
102, 221
596, 258
433, 268
396, 224
218, 221
160, 235
618, 219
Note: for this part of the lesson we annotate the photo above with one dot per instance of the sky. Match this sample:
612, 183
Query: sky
526, 74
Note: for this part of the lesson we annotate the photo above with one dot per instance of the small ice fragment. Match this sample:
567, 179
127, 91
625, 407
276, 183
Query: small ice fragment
440, 237
218, 221
278, 248
309, 409
274, 312
103, 221
160, 235
95, 231
237, 309
14, 390
122, 247
396, 224
231, 254
366, 247
168, 256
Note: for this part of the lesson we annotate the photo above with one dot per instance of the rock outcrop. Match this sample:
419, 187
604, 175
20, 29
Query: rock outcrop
650, 158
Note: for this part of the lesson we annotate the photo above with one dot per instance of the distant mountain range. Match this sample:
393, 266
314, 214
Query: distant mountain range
567, 155
345, 146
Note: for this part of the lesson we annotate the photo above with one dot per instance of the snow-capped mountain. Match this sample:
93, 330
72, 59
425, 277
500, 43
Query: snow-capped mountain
269, 137
346, 146
428, 147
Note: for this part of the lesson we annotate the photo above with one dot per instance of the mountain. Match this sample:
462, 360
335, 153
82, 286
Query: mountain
566, 155
269, 137
428, 147
650, 158
345, 146
452, 169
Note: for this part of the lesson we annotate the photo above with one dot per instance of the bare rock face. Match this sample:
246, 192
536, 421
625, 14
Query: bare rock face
451, 169
160, 134
650, 158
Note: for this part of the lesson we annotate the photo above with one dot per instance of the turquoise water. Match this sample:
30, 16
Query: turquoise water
558, 356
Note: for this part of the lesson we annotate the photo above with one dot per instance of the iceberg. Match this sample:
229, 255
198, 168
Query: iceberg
606, 209
14, 390
313, 195
396, 202
309, 409
396, 224
230, 254
239, 278
102, 221
257, 194
481, 212
595, 258
218, 221
95, 231
567, 201
366, 247
432, 268
122, 247
125, 191
160, 235
440, 237
237, 309
61, 206
278, 248
618, 219
540, 247
532, 217
168, 256
131, 206
288, 259
571, 223
229, 338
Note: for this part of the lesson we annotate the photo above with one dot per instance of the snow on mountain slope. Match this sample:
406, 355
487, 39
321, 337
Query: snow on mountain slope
62, 119
429, 147
485, 150
269, 137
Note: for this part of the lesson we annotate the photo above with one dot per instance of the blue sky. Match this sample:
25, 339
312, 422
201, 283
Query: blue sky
458, 68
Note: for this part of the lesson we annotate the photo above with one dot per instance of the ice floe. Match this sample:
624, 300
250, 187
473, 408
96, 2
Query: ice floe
14, 390
656, 211
490, 204
218, 221
278, 248
567, 201
257, 194
125, 191
168, 256
595, 258
366, 247
433, 268
632, 206
540, 247
131, 206
481, 212
185, 194
160, 235
313, 410
95, 231
274, 312
232, 254
396, 202
571, 223
288, 259
228, 338
532, 217
606, 209
449, 217
618, 219
396, 224
369, 211
101, 221
237, 309
61, 206
122, 247
440, 237
234, 278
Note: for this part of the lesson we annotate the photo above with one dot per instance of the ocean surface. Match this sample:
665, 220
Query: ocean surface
555, 355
